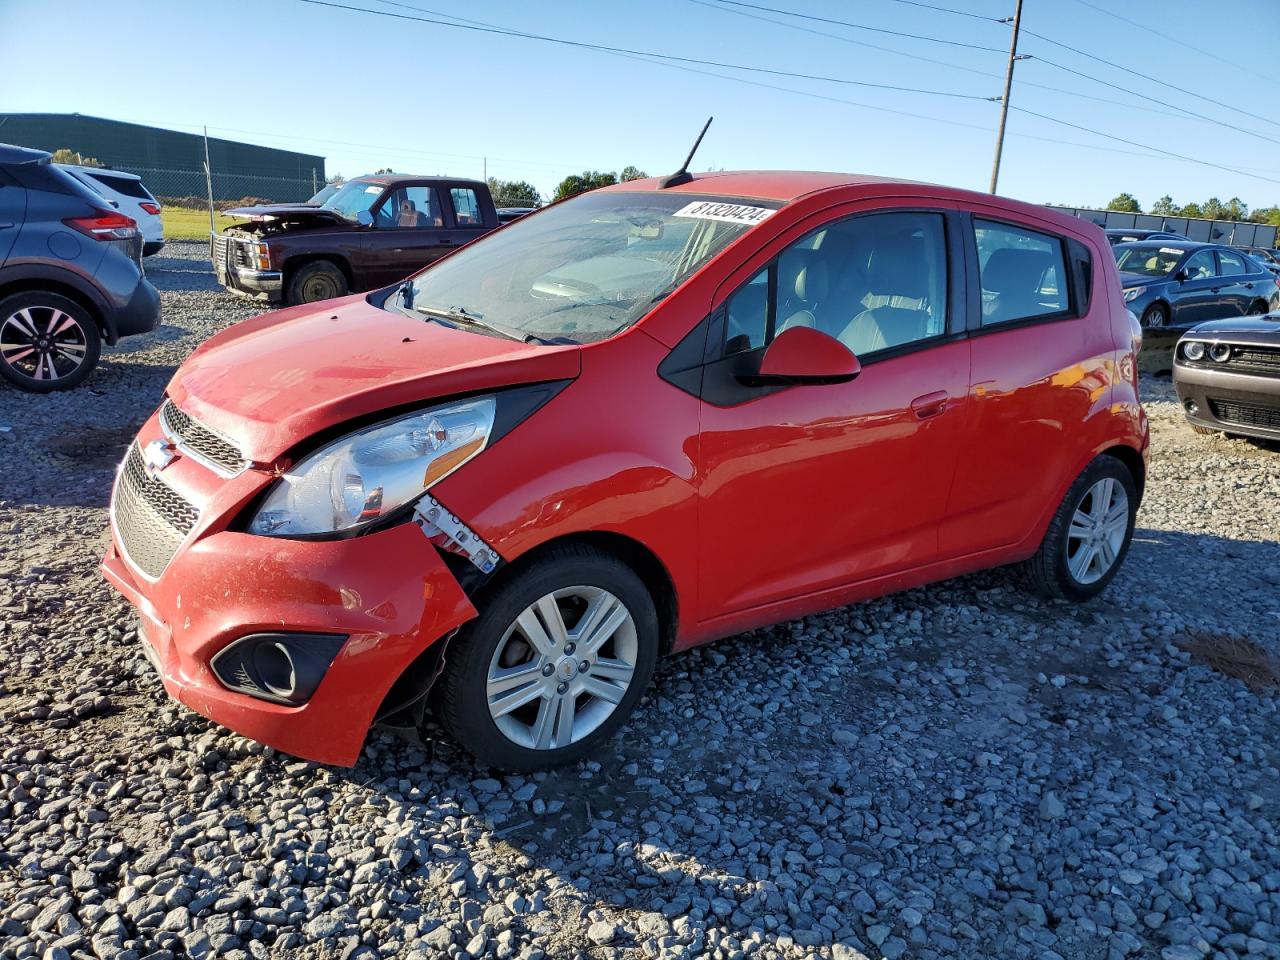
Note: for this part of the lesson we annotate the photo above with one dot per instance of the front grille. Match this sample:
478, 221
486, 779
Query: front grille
220, 249
1261, 359
151, 519
194, 438
1245, 414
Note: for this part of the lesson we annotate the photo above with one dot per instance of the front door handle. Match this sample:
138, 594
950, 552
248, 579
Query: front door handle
1214, 289
5, 226
930, 405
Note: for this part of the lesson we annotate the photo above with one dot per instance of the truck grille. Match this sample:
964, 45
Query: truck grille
229, 251
1245, 414
202, 444
151, 520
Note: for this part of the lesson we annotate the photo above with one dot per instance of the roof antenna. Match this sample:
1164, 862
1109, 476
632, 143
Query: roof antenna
683, 175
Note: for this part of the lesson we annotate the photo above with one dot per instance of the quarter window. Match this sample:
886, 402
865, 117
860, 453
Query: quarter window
1231, 264
873, 282
1023, 273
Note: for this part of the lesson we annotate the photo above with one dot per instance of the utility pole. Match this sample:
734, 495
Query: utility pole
1004, 101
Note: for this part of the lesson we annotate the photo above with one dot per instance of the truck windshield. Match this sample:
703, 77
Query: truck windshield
586, 268
352, 197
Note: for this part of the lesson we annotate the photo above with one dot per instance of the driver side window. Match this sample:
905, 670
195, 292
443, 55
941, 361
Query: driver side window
874, 282
409, 208
1200, 266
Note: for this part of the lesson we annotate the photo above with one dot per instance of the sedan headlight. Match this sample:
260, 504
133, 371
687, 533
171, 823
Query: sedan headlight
1133, 293
365, 475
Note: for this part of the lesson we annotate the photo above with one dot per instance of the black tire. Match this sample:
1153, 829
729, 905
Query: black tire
463, 703
63, 338
1156, 315
1048, 571
315, 281
1259, 308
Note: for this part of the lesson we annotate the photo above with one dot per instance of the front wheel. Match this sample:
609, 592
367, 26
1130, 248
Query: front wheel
555, 663
318, 280
47, 342
1156, 315
1089, 536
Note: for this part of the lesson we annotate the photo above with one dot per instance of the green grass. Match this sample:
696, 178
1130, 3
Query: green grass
181, 223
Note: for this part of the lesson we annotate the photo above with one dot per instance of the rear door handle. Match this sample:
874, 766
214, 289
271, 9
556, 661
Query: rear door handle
930, 405
5, 226
1214, 289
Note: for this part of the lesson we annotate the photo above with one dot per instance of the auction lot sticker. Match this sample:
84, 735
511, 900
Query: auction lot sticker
728, 212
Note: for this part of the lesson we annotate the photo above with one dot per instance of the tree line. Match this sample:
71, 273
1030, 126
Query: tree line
1211, 209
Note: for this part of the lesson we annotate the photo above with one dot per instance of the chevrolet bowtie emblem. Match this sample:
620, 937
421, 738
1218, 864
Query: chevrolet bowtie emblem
157, 455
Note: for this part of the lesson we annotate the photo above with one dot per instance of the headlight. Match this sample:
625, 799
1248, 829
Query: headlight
363, 476
1133, 293
1193, 350
1220, 352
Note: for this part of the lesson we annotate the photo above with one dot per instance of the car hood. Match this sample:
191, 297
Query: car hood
286, 211
272, 382
1139, 280
1264, 329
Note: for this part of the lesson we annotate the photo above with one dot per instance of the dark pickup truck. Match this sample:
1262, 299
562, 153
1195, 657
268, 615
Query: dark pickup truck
372, 232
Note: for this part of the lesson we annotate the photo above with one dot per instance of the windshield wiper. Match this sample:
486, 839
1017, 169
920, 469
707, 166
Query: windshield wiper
463, 317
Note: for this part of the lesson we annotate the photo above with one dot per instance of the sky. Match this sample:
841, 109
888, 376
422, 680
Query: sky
369, 91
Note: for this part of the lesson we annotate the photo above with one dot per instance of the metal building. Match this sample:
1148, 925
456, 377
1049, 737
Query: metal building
1240, 232
170, 162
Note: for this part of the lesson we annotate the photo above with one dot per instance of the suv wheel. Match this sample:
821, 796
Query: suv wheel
1089, 536
318, 280
47, 342
554, 664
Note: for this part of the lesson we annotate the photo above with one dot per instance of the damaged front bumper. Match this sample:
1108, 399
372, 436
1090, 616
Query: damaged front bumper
390, 594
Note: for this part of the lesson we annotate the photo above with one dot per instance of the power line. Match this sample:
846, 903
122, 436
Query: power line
958, 13
646, 53
862, 26
1172, 39
1145, 76
1144, 146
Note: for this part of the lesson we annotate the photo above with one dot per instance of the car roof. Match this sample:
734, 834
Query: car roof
390, 179
12, 153
786, 186
1186, 244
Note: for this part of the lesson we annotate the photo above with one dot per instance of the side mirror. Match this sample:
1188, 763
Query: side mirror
364, 218
1182, 276
802, 355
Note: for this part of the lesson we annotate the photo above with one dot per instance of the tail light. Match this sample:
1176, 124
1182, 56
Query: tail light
151, 208
105, 226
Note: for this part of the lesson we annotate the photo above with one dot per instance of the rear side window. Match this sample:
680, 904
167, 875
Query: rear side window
126, 185
1231, 264
466, 207
1023, 273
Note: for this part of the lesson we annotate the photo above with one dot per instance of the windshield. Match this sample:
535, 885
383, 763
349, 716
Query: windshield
586, 268
1148, 259
352, 197
325, 193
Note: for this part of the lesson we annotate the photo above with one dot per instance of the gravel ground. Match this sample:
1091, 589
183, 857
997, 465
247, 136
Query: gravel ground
956, 771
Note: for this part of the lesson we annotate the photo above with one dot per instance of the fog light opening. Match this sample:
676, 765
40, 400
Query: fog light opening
1192, 407
275, 668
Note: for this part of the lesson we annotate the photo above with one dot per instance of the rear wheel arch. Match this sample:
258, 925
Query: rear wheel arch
1260, 307
1132, 459
72, 293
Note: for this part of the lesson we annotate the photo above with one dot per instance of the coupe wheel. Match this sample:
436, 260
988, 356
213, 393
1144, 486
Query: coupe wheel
319, 280
1156, 315
554, 664
47, 342
1089, 536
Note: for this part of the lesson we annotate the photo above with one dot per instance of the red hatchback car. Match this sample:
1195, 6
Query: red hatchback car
624, 425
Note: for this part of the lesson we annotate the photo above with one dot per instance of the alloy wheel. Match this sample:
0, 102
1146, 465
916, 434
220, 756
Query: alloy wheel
1097, 531
44, 344
562, 667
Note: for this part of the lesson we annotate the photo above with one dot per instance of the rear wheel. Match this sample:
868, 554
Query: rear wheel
1089, 536
1156, 315
47, 342
318, 280
554, 664
1258, 309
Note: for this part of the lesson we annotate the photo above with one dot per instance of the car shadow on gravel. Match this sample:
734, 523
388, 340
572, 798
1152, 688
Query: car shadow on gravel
916, 723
